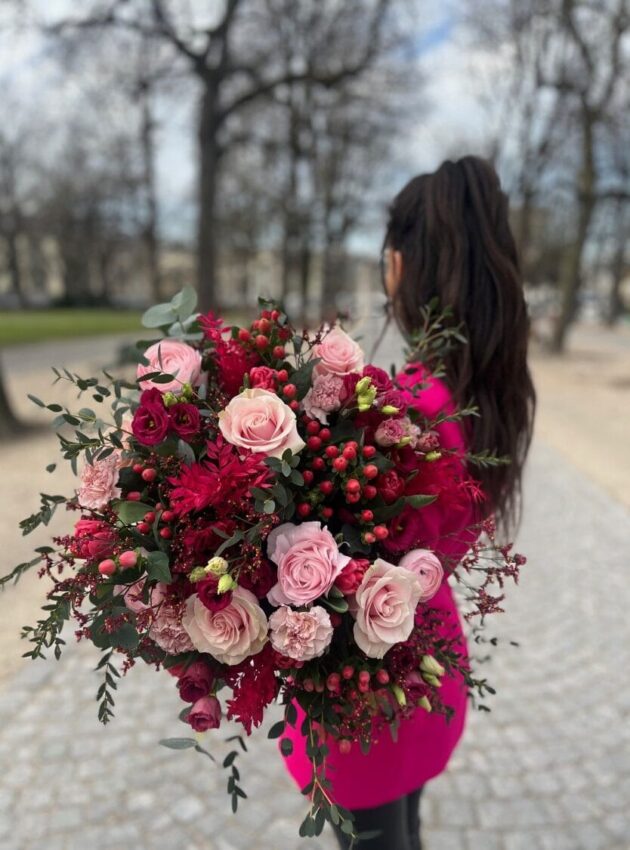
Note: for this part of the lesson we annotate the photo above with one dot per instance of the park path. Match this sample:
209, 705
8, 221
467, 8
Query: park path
549, 769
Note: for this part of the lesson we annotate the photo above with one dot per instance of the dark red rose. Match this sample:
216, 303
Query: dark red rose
259, 580
151, 420
207, 591
390, 486
380, 379
195, 681
93, 539
405, 530
263, 378
394, 398
349, 385
205, 714
185, 420
202, 542
351, 576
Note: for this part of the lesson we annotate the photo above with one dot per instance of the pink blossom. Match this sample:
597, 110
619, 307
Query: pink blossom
261, 422
93, 538
390, 432
263, 377
308, 562
99, 482
205, 714
167, 629
172, 357
323, 397
339, 354
301, 635
426, 565
385, 606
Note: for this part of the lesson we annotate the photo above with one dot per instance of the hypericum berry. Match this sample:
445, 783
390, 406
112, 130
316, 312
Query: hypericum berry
352, 498
333, 681
244, 335
370, 471
289, 390
326, 487
278, 352
347, 672
308, 476
275, 315
368, 452
352, 485
134, 496
327, 512
282, 375
303, 509
314, 444
294, 405
107, 567
266, 314
369, 491
128, 559
319, 687
149, 474
318, 464
331, 451
383, 676
364, 687
364, 676
264, 325
144, 527
369, 537
255, 324
159, 506
166, 533
340, 464
137, 468
325, 434
367, 515
149, 517
308, 685
313, 427
167, 516
380, 532
261, 341
345, 746
349, 452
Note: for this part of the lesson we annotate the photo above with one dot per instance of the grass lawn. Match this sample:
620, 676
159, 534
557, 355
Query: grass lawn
21, 326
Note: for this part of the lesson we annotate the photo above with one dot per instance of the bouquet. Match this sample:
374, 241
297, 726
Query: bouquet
249, 520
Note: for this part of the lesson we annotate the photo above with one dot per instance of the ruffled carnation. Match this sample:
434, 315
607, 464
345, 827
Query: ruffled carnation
167, 629
302, 635
324, 397
99, 482
263, 377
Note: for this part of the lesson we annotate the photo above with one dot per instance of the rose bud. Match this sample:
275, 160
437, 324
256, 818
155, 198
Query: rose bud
205, 714
195, 681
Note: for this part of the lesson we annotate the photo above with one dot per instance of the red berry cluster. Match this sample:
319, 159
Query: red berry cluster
268, 334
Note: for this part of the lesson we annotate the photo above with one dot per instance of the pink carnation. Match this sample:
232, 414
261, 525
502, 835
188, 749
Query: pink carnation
301, 635
390, 432
167, 629
99, 482
324, 397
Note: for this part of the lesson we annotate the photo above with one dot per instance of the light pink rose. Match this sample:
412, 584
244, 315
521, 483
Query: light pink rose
323, 397
99, 482
258, 420
177, 358
386, 602
231, 634
339, 354
426, 565
308, 562
300, 634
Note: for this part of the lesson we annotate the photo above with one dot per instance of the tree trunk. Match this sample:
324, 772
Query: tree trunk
150, 228
9, 424
616, 305
571, 272
208, 167
305, 274
15, 271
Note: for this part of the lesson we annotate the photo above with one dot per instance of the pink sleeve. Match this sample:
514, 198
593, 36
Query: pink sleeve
448, 523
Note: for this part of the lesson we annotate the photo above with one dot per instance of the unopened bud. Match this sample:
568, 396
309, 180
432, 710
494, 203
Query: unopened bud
363, 385
404, 442
401, 698
226, 582
390, 410
431, 666
169, 399
424, 703
431, 456
187, 391
197, 574
217, 565
432, 680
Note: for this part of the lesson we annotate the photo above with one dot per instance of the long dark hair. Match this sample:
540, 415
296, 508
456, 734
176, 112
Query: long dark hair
452, 230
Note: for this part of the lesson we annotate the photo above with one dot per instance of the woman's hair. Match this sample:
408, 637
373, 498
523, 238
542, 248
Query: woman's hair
452, 230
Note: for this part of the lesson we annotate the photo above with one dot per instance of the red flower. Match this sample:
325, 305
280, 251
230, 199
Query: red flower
195, 681
351, 576
195, 488
263, 377
380, 378
185, 420
254, 686
207, 591
93, 539
201, 541
205, 714
259, 579
406, 530
390, 486
150, 422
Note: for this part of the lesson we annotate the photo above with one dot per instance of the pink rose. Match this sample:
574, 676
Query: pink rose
195, 681
205, 714
427, 566
171, 357
99, 482
263, 377
339, 354
301, 635
231, 634
93, 539
308, 562
323, 397
261, 422
133, 596
386, 602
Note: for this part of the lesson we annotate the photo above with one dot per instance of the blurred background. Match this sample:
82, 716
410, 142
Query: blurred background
251, 147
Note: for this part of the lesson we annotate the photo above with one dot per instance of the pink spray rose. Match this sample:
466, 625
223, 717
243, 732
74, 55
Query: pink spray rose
261, 422
231, 634
263, 377
308, 562
99, 482
339, 354
205, 714
426, 565
385, 606
195, 681
171, 357
93, 539
323, 397
301, 635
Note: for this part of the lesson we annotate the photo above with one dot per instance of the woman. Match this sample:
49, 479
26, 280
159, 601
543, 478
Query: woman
448, 237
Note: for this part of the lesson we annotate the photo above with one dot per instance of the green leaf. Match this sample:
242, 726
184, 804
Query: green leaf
338, 605
159, 316
36, 400
229, 759
276, 730
158, 567
186, 452
303, 377
420, 500
286, 747
130, 512
126, 637
178, 743
184, 303
269, 506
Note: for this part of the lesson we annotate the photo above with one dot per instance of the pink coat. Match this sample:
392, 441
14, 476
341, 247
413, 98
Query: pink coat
425, 741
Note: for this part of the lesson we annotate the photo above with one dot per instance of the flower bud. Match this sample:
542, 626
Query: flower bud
432, 456
169, 399
431, 666
390, 410
197, 574
363, 385
400, 695
424, 703
217, 566
432, 680
226, 582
